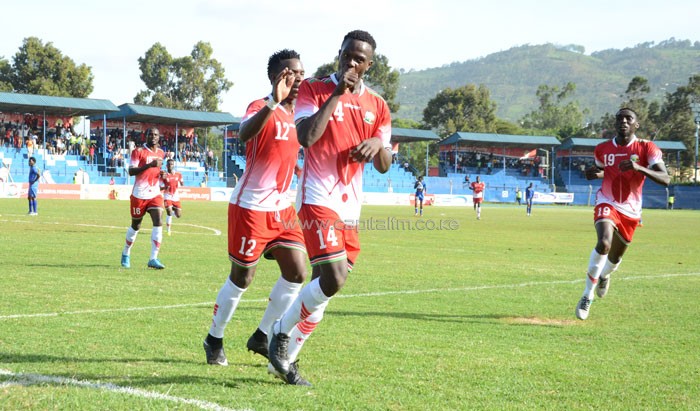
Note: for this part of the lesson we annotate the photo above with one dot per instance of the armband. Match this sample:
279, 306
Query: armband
271, 104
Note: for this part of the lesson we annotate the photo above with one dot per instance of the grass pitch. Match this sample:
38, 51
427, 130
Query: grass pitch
475, 315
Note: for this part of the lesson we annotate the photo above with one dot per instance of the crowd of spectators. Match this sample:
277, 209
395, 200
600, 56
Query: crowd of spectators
467, 162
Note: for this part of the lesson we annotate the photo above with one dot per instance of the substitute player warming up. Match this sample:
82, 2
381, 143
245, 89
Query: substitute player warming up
623, 163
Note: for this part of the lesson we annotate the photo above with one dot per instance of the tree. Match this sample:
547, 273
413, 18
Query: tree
467, 108
555, 115
677, 117
193, 82
380, 77
39, 68
647, 113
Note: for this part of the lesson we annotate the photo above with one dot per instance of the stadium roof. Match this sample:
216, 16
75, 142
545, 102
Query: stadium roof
52, 105
169, 116
590, 143
408, 135
501, 140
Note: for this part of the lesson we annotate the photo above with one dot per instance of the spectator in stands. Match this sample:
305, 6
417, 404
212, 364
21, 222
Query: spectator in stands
623, 162
261, 200
529, 195
146, 163
34, 175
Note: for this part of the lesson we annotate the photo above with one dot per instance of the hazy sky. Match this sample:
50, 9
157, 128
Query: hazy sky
111, 36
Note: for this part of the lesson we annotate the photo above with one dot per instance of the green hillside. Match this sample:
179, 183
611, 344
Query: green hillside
513, 76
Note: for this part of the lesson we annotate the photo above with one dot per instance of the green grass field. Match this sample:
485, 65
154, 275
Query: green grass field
478, 317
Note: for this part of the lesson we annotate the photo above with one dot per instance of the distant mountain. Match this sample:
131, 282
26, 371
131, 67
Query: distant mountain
513, 76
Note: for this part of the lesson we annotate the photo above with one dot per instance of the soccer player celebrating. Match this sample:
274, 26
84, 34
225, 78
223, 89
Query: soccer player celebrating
342, 124
478, 188
146, 163
420, 195
34, 176
623, 163
171, 181
261, 218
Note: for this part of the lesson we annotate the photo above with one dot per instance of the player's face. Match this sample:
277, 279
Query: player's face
355, 54
170, 166
153, 138
31, 162
626, 123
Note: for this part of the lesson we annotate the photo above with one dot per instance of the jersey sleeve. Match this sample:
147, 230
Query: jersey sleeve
252, 109
384, 129
135, 158
598, 156
654, 154
306, 104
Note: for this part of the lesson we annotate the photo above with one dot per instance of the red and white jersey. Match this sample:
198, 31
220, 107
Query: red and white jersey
270, 160
147, 184
171, 182
331, 178
623, 190
478, 189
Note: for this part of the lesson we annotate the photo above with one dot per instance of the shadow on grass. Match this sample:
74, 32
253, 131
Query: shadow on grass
68, 265
505, 319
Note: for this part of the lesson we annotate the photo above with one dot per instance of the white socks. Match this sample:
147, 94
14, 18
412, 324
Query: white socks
226, 302
302, 331
595, 266
310, 300
130, 238
282, 296
156, 239
609, 268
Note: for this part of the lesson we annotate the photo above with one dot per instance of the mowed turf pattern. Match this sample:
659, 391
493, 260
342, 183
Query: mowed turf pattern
475, 315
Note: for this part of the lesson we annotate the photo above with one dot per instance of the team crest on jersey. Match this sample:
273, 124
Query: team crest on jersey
370, 117
634, 158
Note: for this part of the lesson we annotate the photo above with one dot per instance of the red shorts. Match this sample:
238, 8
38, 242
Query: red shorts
327, 237
478, 200
254, 233
139, 206
624, 225
173, 204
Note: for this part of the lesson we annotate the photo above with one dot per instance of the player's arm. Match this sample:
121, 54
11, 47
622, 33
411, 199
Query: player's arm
280, 91
138, 170
310, 129
657, 173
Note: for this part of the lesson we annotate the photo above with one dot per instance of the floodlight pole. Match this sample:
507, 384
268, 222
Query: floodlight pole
695, 106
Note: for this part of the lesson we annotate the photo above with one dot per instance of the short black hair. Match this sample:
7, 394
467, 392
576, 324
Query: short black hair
32, 158
274, 62
361, 35
628, 109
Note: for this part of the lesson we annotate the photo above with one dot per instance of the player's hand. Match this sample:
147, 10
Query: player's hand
156, 163
627, 165
592, 173
366, 150
348, 81
283, 85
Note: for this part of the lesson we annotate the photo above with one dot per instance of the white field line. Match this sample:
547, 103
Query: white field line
38, 379
375, 294
213, 230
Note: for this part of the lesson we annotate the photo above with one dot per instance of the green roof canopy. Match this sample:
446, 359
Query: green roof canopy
501, 140
52, 105
168, 116
408, 135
